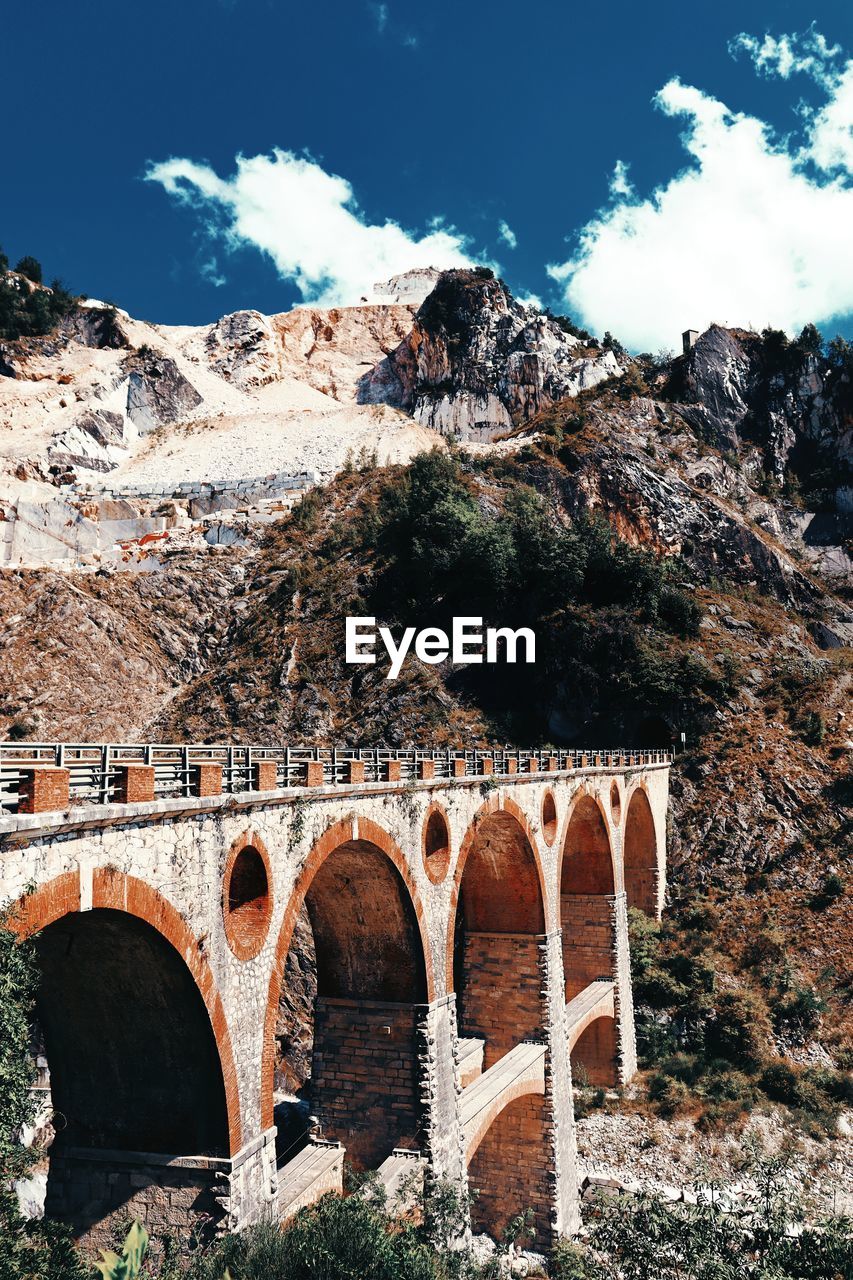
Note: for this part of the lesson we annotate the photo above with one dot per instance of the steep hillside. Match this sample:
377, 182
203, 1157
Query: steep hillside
720, 610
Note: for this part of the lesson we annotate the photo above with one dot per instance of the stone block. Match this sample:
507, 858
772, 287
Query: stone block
264, 775
44, 789
135, 784
426, 769
206, 778
314, 773
459, 766
354, 771
392, 770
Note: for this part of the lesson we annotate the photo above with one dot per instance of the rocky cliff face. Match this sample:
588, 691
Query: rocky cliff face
477, 363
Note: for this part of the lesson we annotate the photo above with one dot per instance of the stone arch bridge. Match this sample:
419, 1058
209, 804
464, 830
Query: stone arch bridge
441, 935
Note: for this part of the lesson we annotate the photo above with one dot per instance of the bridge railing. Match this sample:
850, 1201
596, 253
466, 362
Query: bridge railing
95, 770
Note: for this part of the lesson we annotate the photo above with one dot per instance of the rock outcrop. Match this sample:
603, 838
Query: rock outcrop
477, 362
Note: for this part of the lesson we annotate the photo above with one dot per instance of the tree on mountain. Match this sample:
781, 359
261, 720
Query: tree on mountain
31, 268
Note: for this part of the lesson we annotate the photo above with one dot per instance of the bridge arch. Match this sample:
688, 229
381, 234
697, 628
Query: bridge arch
139, 1056
497, 927
126, 896
502, 876
355, 899
588, 883
587, 864
640, 854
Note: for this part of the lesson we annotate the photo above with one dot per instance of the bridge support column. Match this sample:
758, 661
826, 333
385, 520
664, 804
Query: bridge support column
249, 1194
437, 1040
624, 991
565, 1200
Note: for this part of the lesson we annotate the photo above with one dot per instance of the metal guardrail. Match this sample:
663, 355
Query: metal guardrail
94, 767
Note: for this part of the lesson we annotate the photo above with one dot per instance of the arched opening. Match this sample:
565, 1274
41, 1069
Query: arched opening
587, 913
135, 1075
436, 845
348, 1010
509, 1172
549, 817
595, 1054
587, 859
615, 803
640, 855
247, 901
500, 918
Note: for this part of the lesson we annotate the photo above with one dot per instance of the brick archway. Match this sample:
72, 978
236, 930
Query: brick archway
114, 890
640, 863
492, 806
340, 833
587, 808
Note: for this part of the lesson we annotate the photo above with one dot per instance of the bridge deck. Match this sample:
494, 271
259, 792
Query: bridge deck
595, 1001
470, 1059
518, 1072
401, 1174
318, 1168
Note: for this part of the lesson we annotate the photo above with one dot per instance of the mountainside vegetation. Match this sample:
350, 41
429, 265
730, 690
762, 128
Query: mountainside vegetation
27, 308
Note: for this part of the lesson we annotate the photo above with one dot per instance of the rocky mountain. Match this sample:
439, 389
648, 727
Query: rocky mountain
731, 465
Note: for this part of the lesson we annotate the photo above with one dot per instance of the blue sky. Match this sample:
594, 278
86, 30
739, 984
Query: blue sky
480, 115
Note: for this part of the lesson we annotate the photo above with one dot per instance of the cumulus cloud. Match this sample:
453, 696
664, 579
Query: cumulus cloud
308, 222
754, 230
507, 235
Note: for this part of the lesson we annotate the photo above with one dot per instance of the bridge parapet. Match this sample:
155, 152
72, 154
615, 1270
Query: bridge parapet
47, 777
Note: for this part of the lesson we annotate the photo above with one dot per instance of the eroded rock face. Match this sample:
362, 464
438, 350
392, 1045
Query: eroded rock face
244, 350
476, 362
157, 392
736, 390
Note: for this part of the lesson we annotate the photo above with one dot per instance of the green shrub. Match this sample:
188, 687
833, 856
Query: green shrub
740, 1029
644, 1238
31, 268
128, 1264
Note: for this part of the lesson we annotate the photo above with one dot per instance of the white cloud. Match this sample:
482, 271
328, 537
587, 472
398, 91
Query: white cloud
787, 55
755, 230
308, 222
620, 183
380, 14
507, 235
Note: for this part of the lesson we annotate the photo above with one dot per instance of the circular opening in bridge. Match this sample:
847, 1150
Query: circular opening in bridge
436, 846
549, 817
615, 802
247, 902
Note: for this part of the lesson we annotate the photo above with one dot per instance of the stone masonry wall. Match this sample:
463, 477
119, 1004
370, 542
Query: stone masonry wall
364, 1084
510, 1171
98, 1192
501, 1000
587, 940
